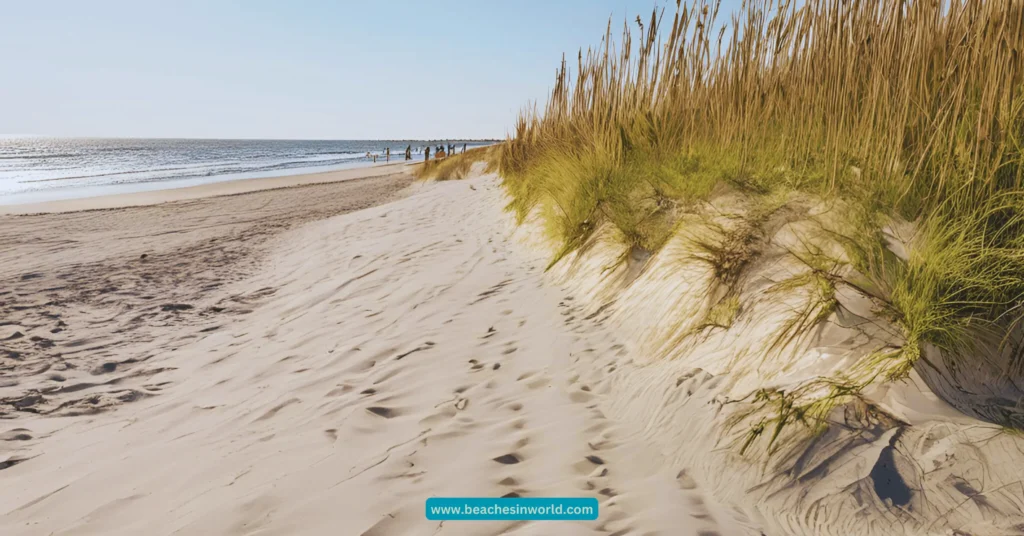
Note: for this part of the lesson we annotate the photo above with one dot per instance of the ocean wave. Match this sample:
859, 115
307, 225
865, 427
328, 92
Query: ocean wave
39, 156
211, 169
67, 163
107, 174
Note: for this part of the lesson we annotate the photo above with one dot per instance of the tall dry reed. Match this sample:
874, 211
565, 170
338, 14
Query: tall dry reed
910, 109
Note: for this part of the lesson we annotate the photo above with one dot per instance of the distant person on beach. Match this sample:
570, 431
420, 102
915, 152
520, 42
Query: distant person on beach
463, 148
408, 152
426, 152
387, 154
374, 158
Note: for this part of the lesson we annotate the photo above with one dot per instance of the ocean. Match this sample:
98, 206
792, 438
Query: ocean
35, 169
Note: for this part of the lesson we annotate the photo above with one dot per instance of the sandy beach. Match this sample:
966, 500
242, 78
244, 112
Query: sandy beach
316, 359
322, 358
214, 189
710, 269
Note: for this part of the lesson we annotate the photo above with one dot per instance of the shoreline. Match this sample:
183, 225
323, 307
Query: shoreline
202, 191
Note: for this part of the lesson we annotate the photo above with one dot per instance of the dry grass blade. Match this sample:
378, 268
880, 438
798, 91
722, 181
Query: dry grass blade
909, 110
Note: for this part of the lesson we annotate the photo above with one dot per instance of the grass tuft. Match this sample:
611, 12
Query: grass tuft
904, 110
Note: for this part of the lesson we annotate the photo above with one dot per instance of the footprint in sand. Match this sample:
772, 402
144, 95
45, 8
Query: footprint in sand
508, 459
339, 390
701, 512
685, 480
581, 396
589, 465
16, 434
105, 368
387, 413
10, 462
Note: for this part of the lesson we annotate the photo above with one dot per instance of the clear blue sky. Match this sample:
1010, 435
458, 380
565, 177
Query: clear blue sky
287, 68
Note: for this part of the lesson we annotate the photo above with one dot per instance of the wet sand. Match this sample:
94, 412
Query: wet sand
232, 187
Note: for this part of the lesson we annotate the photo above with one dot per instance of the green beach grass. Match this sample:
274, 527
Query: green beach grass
906, 111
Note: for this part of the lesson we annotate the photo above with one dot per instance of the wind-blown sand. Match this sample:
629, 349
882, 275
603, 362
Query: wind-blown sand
270, 364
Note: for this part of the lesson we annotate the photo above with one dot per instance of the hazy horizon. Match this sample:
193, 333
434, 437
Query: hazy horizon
452, 139
309, 71
45, 168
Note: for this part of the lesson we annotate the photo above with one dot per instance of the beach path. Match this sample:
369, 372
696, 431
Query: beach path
311, 374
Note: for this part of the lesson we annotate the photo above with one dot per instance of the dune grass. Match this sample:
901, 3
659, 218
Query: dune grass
907, 110
457, 166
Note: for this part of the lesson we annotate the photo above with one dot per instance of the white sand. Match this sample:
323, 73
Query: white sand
278, 364
356, 366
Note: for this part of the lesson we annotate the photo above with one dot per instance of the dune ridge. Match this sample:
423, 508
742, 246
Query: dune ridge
752, 400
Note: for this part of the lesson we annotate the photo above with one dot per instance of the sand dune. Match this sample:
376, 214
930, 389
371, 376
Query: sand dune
927, 455
256, 376
322, 359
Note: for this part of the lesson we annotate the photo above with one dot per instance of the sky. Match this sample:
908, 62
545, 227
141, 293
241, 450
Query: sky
287, 69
